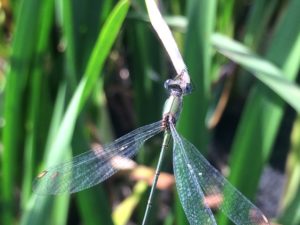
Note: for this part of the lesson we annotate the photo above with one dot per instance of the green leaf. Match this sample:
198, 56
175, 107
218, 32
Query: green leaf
24, 64
38, 208
124, 210
262, 69
289, 207
264, 110
39, 205
103, 45
197, 54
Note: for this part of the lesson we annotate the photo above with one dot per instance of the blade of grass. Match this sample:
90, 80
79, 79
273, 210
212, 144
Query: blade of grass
262, 69
57, 117
291, 214
198, 55
257, 22
103, 45
197, 46
225, 20
124, 210
290, 202
60, 208
264, 110
64, 8
27, 25
78, 44
63, 135
34, 213
95, 64
32, 145
225, 23
89, 208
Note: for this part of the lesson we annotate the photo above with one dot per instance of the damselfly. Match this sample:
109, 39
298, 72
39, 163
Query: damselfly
196, 179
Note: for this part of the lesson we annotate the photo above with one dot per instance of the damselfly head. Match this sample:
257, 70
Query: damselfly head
176, 86
173, 87
180, 84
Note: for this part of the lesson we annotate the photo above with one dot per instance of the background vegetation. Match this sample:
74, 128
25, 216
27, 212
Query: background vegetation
74, 73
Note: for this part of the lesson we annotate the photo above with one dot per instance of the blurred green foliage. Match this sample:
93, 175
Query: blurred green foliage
76, 72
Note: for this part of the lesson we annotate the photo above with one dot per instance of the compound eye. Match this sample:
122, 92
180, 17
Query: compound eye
167, 84
188, 89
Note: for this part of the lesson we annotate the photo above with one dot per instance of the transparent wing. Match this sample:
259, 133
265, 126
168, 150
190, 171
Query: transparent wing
93, 167
167, 39
188, 185
231, 202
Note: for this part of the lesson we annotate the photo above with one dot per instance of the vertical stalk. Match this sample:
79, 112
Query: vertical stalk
164, 147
